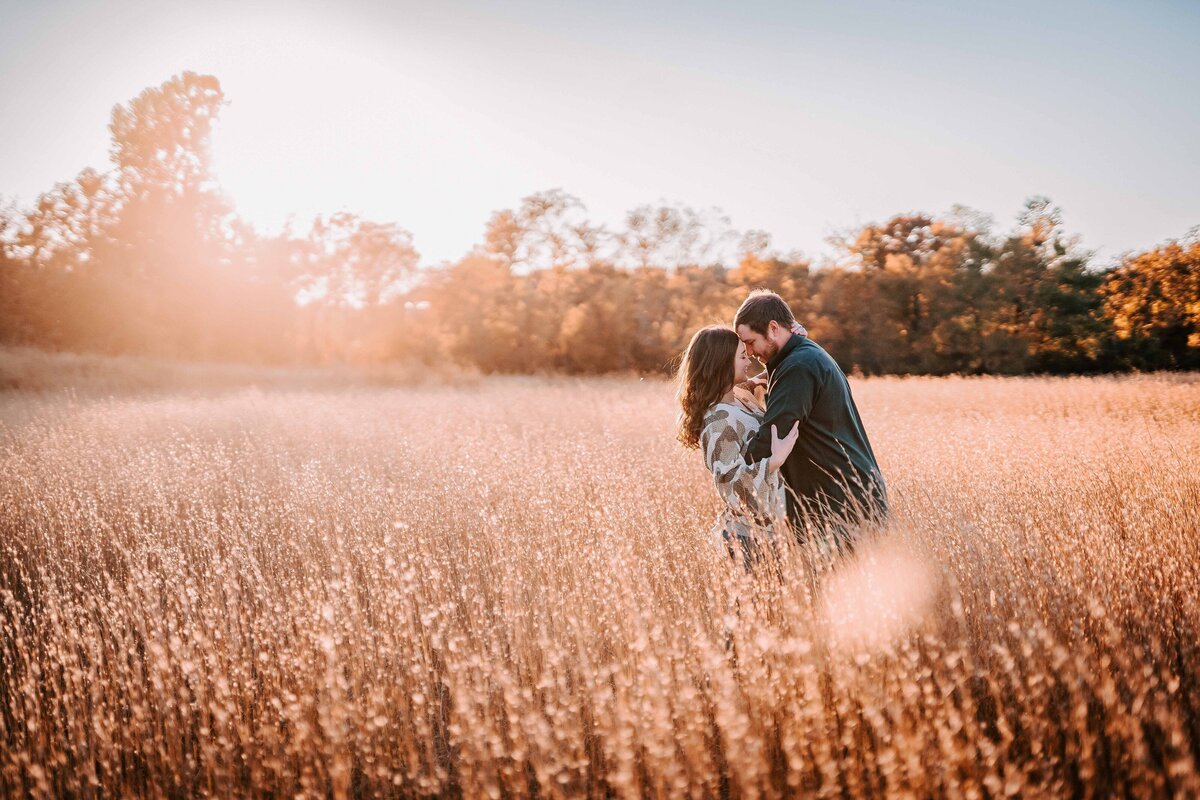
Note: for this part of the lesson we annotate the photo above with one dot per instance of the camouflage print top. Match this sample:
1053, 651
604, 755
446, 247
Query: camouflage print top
753, 496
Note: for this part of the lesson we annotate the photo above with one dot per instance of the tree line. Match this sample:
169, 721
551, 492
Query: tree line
148, 257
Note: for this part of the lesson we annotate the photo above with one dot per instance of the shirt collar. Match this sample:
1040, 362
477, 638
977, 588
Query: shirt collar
790, 345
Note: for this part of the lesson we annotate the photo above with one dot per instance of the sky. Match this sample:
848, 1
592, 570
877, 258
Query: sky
801, 119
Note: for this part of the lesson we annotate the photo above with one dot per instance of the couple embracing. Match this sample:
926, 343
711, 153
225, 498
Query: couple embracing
801, 465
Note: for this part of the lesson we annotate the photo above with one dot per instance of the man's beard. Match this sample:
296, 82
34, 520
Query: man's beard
772, 350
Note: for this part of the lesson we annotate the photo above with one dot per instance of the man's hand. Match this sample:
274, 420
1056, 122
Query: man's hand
781, 448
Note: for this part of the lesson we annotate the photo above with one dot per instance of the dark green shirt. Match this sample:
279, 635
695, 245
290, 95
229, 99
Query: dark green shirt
831, 471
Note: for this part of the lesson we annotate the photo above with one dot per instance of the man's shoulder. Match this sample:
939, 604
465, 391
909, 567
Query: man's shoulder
806, 355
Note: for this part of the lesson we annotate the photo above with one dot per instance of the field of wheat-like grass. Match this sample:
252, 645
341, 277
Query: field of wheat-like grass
507, 589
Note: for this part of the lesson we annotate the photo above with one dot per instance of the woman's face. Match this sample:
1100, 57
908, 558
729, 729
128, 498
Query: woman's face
741, 364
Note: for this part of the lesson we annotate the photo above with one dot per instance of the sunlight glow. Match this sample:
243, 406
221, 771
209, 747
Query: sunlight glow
877, 598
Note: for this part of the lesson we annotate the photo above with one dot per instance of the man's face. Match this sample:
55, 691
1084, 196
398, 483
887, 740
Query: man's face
758, 345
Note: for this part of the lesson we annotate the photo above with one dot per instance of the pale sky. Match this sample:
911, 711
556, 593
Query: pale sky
796, 118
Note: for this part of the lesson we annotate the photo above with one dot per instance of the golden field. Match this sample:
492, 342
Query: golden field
505, 587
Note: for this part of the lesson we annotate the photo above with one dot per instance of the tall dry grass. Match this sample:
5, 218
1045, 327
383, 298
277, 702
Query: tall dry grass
507, 590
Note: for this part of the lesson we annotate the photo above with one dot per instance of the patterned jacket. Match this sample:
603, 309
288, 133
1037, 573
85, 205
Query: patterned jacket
753, 496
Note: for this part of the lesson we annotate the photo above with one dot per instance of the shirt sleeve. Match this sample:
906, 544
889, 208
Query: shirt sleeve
740, 484
790, 399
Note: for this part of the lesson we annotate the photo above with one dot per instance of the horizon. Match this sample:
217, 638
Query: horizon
622, 106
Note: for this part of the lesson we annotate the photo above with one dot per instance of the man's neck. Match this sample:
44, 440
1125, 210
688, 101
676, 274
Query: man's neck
779, 352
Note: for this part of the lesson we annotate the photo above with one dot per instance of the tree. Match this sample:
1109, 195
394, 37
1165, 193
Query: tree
760, 266
1153, 302
166, 243
848, 314
53, 248
1043, 313
548, 230
356, 263
912, 307
351, 267
673, 236
479, 315
15, 327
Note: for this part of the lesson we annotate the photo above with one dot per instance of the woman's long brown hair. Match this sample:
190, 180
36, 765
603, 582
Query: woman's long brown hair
705, 375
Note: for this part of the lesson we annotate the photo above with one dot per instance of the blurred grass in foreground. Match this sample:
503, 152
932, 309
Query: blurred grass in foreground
505, 588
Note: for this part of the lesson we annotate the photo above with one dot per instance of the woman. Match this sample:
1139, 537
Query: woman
718, 414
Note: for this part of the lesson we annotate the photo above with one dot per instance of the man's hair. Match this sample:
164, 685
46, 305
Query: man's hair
760, 308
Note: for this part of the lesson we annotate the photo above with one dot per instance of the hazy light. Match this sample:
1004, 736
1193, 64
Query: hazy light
798, 120
876, 598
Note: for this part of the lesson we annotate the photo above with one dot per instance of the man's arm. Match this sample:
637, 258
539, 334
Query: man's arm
790, 399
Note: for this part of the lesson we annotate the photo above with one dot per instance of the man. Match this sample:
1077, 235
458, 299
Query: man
832, 475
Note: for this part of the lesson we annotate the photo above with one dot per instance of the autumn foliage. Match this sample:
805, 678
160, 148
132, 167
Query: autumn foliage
150, 258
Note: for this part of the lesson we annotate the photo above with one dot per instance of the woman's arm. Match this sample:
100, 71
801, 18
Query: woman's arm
737, 481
